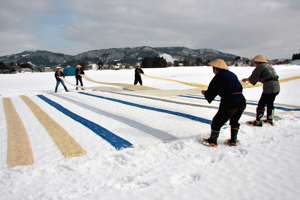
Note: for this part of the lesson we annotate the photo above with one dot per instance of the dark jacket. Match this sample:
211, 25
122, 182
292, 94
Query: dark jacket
224, 84
138, 71
77, 72
59, 74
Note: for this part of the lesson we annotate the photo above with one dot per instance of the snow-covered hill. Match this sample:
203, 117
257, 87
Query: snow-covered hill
113, 55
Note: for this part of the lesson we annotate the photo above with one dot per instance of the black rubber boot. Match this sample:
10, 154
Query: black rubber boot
270, 115
233, 140
259, 114
212, 141
258, 121
213, 137
234, 133
254, 123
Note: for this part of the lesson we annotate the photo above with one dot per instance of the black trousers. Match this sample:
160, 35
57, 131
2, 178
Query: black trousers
138, 79
267, 99
80, 80
232, 112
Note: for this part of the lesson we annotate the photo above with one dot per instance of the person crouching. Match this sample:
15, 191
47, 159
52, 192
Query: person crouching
267, 75
233, 103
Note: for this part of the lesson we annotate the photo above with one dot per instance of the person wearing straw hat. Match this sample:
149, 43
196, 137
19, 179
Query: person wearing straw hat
78, 76
137, 75
58, 74
233, 103
267, 75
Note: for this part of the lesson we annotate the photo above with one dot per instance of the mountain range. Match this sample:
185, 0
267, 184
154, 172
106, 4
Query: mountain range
114, 55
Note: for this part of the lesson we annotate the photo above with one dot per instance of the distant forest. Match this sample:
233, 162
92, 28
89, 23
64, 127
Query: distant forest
296, 56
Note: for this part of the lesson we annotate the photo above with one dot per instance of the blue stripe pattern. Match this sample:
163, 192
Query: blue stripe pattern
164, 136
128, 89
253, 104
114, 140
192, 117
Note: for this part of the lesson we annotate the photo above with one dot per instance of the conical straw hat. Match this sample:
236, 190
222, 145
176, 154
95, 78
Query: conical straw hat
219, 63
259, 58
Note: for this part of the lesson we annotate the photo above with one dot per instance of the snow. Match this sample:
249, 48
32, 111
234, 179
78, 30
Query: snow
167, 57
265, 166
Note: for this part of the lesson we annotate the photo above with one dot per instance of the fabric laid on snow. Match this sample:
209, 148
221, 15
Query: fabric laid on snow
248, 103
202, 86
101, 88
18, 147
179, 102
123, 85
166, 93
192, 117
114, 140
63, 140
164, 136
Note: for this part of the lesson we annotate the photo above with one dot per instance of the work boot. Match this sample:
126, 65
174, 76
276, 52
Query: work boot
233, 140
258, 121
259, 114
254, 123
270, 122
270, 115
227, 142
76, 88
212, 140
205, 142
234, 133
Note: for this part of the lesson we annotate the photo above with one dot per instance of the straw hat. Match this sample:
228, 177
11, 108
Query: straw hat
58, 68
259, 58
219, 63
138, 65
78, 66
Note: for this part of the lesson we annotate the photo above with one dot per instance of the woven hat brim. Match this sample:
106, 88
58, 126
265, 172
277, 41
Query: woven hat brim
219, 63
259, 58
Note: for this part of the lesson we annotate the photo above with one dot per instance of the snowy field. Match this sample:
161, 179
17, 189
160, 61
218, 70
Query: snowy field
265, 166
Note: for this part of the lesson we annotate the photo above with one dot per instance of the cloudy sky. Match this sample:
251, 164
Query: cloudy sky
241, 27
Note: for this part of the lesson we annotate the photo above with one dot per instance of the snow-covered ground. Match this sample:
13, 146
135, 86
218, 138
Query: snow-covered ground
265, 166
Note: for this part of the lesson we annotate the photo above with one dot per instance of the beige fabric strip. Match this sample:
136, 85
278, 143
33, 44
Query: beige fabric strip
19, 150
63, 140
124, 85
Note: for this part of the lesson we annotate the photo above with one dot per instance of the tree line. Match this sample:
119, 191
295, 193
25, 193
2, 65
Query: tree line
9, 68
157, 62
296, 56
